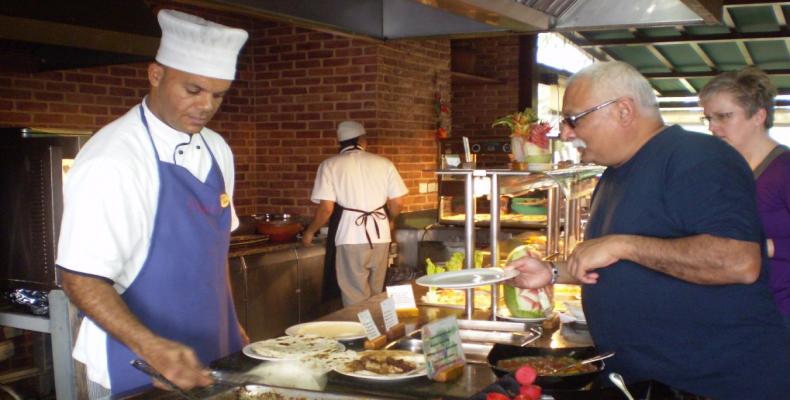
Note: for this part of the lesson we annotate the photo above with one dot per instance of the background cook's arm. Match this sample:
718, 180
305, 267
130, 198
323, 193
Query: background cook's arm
394, 207
701, 259
322, 215
99, 300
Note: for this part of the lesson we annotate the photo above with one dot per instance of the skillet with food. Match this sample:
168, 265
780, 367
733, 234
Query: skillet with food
505, 359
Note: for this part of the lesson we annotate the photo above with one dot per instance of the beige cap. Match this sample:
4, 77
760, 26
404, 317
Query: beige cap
349, 130
195, 45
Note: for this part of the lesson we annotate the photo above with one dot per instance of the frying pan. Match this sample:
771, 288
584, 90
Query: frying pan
576, 381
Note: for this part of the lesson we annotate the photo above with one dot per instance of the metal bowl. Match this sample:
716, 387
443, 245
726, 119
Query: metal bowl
572, 382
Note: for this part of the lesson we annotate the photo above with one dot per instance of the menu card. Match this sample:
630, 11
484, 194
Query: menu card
371, 330
388, 311
441, 344
403, 296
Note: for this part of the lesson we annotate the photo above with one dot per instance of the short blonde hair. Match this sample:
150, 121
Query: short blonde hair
751, 88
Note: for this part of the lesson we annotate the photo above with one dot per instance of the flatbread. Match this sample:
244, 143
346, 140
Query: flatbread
295, 347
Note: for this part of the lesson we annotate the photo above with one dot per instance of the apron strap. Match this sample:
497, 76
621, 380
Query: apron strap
362, 220
776, 152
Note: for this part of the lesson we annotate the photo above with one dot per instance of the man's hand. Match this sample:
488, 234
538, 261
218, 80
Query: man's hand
592, 254
178, 363
533, 273
307, 238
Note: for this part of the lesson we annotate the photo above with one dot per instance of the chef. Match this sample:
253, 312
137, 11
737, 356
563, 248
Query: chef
360, 194
147, 220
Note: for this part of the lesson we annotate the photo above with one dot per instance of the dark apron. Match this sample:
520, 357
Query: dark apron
331, 289
182, 292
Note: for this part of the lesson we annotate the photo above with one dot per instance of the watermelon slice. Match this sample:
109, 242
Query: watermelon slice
526, 303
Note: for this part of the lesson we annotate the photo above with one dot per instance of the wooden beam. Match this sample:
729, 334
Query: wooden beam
528, 71
726, 18
709, 10
747, 57
703, 55
780, 15
660, 56
686, 84
705, 74
719, 38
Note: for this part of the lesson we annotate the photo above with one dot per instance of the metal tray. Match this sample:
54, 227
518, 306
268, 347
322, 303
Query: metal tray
260, 392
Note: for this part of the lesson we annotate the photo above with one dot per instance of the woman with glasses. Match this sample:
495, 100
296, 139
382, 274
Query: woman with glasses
739, 108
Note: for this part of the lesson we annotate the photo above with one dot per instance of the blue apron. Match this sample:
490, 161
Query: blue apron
181, 292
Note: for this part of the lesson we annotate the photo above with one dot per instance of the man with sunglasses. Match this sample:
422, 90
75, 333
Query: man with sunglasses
671, 268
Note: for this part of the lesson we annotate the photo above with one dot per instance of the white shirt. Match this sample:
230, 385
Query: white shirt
363, 181
110, 197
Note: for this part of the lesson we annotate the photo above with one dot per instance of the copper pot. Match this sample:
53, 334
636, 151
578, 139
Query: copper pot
279, 227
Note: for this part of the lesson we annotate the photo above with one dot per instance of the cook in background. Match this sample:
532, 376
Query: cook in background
147, 220
359, 194
671, 272
739, 108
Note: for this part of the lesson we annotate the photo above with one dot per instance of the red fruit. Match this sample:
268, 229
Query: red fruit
524, 397
525, 375
531, 391
496, 396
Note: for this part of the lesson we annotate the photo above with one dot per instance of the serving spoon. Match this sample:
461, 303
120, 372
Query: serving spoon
618, 381
585, 361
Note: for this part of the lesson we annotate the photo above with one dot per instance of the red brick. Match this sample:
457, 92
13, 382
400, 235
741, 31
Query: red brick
29, 106
47, 118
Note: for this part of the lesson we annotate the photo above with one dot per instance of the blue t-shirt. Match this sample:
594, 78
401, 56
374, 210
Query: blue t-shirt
723, 341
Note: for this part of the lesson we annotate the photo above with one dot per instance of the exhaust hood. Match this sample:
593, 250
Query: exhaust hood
42, 35
397, 19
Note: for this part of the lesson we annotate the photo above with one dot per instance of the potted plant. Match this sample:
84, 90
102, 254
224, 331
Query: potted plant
529, 144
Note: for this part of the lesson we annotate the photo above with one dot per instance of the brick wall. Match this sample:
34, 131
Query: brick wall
476, 105
294, 86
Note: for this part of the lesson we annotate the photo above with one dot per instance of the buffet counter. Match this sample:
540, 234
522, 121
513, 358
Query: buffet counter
474, 379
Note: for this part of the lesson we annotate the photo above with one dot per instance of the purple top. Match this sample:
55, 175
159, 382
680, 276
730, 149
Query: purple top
773, 203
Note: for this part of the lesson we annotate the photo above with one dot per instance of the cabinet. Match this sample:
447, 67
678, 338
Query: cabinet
273, 290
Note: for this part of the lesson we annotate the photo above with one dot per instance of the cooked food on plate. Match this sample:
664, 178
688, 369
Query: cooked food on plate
384, 362
546, 365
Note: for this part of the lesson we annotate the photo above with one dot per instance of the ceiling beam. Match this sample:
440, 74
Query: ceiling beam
709, 10
747, 56
728, 37
704, 74
752, 3
703, 55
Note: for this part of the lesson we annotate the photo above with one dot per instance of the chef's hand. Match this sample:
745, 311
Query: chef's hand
307, 238
533, 273
178, 363
245, 339
592, 254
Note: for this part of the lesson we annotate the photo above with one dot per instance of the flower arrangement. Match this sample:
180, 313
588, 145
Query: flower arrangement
442, 117
529, 141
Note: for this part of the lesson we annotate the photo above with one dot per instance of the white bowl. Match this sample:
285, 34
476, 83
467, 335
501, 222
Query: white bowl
575, 309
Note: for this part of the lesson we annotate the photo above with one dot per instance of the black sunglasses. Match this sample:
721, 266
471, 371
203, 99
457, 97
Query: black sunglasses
572, 120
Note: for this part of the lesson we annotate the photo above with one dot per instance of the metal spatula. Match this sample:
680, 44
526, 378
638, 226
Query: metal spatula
143, 367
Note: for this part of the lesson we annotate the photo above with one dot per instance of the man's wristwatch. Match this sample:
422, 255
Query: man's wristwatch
555, 273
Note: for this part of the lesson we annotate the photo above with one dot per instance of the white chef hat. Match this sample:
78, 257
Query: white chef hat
349, 130
195, 45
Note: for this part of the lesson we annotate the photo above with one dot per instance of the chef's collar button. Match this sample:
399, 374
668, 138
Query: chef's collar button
181, 152
198, 147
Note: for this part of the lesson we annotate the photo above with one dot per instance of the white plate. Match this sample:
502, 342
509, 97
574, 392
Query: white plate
376, 377
505, 313
467, 278
249, 351
338, 330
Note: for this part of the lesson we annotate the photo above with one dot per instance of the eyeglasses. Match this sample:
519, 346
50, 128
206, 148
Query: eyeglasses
717, 118
572, 120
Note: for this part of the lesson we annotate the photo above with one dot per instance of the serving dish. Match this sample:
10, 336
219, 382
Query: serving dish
577, 381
